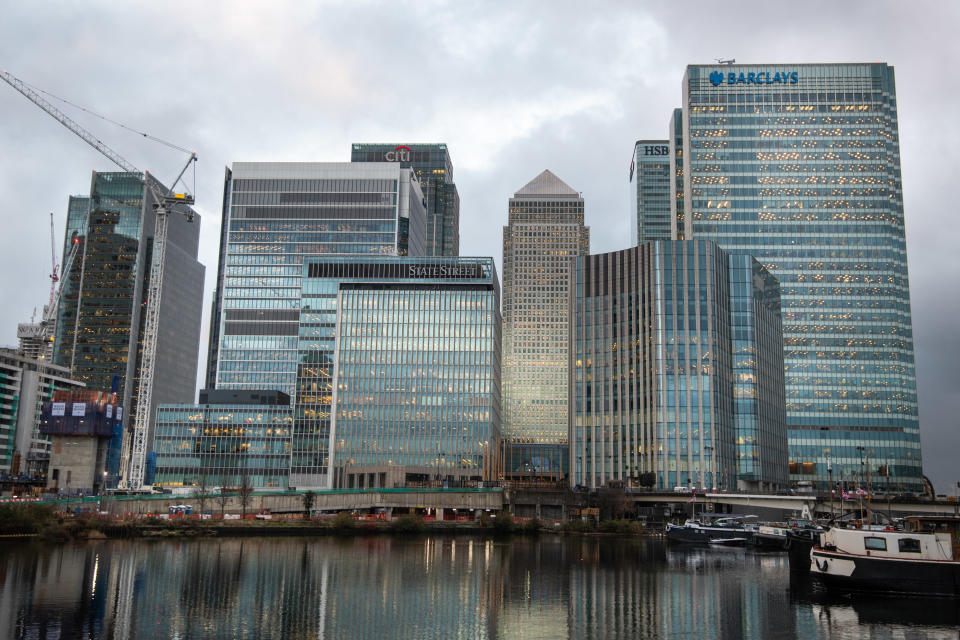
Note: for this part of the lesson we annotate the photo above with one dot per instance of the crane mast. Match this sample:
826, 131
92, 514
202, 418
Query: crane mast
134, 453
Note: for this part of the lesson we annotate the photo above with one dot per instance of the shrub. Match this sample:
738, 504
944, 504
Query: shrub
579, 526
408, 523
20, 518
503, 523
343, 522
619, 526
532, 526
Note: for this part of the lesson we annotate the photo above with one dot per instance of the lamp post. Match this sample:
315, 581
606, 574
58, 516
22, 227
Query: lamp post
860, 484
830, 473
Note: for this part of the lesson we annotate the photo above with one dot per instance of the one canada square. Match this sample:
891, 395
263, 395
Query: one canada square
799, 165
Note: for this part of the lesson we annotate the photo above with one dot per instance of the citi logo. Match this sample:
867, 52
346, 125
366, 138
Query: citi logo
400, 154
764, 77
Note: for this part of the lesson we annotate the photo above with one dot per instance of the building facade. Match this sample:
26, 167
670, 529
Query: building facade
228, 439
799, 166
650, 191
400, 375
545, 229
655, 334
104, 287
434, 170
275, 216
25, 384
677, 209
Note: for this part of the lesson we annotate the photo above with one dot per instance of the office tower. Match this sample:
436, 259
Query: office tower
413, 345
25, 383
275, 216
799, 166
650, 191
676, 370
545, 229
228, 437
434, 170
100, 316
677, 214
397, 384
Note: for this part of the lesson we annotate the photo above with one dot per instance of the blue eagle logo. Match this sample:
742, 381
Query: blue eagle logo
716, 78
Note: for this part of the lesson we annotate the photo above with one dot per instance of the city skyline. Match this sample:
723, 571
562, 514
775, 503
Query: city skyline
578, 123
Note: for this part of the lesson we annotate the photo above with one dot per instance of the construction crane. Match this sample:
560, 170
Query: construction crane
134, 454
54, 276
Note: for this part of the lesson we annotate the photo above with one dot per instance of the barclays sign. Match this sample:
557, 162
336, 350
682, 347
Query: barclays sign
718, 78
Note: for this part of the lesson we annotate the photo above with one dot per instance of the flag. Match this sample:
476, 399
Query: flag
693, 499
846, 495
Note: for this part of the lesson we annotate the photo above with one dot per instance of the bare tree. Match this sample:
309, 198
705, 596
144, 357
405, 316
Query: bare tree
200, 492
245, 491
222, 498
308, 499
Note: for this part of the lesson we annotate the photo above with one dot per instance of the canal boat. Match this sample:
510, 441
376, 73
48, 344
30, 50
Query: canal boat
707, 528
920, 559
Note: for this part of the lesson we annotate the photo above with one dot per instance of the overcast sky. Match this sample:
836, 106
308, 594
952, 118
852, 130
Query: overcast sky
512, 88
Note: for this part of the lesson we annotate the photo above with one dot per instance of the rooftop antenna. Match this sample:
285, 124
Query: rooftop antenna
722, 61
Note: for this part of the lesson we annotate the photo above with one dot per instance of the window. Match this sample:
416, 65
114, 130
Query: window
909, 545
875, 544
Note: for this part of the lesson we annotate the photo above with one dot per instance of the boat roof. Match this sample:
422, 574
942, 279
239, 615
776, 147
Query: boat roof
732, 516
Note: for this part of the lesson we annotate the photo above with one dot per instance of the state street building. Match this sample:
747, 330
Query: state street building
676, 370
396, 383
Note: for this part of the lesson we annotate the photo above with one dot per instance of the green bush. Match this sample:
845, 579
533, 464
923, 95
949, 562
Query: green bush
579, 526
408, 523
503, 523
485, 519
23, 518
619, 526
532, 526
343, 522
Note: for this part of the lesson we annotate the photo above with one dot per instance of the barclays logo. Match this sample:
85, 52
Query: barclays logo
780, 77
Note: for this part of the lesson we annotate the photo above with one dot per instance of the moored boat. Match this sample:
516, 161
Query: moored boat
922, 559
717, 527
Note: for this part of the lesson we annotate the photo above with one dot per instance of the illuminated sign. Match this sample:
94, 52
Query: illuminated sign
764, 77
656, 150
400, 154
444, 271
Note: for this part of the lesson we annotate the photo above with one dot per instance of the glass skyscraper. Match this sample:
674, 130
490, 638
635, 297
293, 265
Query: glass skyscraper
404, 353
650, 191
100, 320
434, 170
677, 213
676, 370
799, 166
545, 229
275, 216
222, 441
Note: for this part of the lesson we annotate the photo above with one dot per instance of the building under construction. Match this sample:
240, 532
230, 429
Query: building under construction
101, 306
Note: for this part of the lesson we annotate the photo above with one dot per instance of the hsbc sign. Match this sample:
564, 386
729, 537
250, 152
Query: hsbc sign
400, 154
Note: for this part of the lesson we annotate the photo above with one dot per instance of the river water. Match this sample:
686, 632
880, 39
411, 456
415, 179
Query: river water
425, 588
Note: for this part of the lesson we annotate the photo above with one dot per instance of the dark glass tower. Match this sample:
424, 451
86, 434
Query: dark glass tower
799, 166
676, 370
100, 318
434, 170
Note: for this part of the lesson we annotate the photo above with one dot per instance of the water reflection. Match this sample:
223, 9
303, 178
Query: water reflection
440, 587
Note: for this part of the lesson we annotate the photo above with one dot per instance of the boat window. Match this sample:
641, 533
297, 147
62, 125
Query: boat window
909, 545
875, 544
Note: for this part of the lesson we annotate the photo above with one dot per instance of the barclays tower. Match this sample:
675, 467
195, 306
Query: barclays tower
799, 166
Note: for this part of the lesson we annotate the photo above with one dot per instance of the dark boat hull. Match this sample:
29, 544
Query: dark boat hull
703, 535
799, 544
862, 573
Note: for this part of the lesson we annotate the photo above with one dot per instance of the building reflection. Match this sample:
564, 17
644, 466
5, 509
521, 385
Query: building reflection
425, 588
